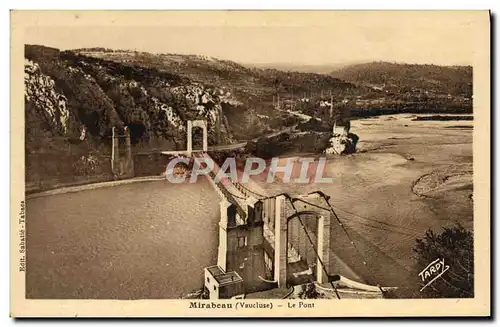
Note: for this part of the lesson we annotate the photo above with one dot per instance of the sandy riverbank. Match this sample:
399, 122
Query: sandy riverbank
384, 197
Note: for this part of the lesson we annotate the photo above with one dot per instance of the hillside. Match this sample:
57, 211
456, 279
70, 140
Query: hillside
454, 80
94, 90
66, 93
394, 87
252, 88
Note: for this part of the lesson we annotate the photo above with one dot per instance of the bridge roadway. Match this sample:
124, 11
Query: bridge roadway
226, 189
226, 147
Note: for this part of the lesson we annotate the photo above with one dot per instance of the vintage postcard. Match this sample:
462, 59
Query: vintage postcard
250, 163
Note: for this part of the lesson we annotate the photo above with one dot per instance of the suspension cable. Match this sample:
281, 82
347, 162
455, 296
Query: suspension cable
331, 209
262, 197
374, 220
312, 243
235, 196
364, 218
343, 227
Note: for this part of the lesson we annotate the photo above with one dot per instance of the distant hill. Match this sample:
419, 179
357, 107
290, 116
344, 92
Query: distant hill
250, 85
248, 92
301, 68
454, 80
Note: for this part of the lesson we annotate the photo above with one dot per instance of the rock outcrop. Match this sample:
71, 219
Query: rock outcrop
40, 91
342, 142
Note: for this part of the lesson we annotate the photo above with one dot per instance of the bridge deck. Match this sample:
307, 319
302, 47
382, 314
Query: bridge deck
228, 190
225, 147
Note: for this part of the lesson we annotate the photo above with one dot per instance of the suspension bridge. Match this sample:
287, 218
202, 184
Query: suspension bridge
275, 241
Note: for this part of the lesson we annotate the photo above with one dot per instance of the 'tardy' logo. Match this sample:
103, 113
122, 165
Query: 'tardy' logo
433, 271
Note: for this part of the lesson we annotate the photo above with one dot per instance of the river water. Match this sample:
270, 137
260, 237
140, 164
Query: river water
144, 240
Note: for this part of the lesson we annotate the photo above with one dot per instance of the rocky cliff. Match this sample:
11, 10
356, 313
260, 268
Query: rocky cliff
68, 91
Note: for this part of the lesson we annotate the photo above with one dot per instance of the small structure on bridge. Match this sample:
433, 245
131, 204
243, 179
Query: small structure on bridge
340, 130
222, 285
341, 141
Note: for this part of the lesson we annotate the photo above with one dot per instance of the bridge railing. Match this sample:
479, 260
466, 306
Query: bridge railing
221, 188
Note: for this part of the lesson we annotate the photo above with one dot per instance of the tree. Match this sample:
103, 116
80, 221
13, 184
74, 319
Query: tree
309, 292
456, 246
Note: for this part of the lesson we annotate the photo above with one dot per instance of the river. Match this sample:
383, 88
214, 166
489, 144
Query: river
144, 240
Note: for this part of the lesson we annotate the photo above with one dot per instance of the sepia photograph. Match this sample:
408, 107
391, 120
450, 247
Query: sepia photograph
256, 163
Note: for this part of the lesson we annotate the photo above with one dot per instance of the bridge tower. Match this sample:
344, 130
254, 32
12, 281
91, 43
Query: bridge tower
190, 125
217, 126
285, 241
121, 167
240, 257
241, 238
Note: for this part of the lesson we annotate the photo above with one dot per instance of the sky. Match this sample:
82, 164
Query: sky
310, 38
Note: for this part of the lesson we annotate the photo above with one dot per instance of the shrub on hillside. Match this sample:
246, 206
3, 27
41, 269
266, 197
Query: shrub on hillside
456, 246
314, 125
